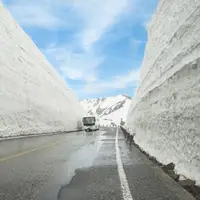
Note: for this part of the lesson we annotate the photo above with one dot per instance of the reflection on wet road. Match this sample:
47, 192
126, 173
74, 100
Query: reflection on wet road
37, 167
80, 166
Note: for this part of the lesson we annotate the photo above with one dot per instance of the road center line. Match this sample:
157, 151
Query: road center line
122, 176
28, 151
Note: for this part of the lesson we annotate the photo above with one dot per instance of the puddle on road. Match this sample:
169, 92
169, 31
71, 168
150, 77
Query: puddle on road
78, 158
91, 156
84, 157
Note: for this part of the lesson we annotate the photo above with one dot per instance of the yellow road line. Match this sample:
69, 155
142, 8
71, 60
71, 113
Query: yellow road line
29, 151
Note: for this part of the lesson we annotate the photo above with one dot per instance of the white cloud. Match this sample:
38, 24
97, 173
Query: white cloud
95, 16
117, 82
84, 67
76, 66
34, 15
99, 16
38, 13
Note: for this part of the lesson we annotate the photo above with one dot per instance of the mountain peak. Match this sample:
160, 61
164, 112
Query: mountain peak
109, 109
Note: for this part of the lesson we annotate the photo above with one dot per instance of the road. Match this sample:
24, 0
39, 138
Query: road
81, 166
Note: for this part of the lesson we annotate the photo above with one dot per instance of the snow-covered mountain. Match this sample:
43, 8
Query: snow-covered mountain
33, 97
109, 110
165, 113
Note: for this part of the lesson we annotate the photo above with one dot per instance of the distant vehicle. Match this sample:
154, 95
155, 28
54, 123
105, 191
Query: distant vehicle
90, 123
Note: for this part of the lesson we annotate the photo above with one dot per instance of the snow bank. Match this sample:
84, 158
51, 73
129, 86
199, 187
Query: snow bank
166, 110
33, 98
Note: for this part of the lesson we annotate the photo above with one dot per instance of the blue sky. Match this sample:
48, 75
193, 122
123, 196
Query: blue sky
97, 46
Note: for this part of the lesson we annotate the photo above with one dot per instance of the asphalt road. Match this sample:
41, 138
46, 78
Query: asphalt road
81, 166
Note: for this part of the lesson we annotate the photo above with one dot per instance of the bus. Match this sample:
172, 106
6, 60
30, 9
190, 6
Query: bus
90, 123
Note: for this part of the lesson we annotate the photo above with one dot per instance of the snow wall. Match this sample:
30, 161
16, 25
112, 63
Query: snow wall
165, 112
33, 97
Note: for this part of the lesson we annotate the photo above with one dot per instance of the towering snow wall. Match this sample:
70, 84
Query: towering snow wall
33, 98
165, 113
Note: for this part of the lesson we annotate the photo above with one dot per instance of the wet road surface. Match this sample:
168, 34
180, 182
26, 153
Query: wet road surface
81, 166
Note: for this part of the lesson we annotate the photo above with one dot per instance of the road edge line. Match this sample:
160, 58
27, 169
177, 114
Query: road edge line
122, 175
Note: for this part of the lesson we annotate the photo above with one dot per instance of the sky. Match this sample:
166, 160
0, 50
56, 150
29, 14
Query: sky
97, 46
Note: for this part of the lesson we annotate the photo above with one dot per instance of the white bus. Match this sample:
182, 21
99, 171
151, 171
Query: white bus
90, 123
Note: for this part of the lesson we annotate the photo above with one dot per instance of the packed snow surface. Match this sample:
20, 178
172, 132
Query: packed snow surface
165, 113
109, 110
33, 97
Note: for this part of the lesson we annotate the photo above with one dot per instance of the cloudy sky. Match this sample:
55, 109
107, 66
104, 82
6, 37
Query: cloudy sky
97, 46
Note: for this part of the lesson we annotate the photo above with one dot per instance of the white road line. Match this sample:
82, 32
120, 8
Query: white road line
122, 176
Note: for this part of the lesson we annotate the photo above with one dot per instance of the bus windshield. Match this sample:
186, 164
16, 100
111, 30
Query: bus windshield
89, 121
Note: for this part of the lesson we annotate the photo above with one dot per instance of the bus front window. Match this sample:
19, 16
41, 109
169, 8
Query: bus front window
89, 121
